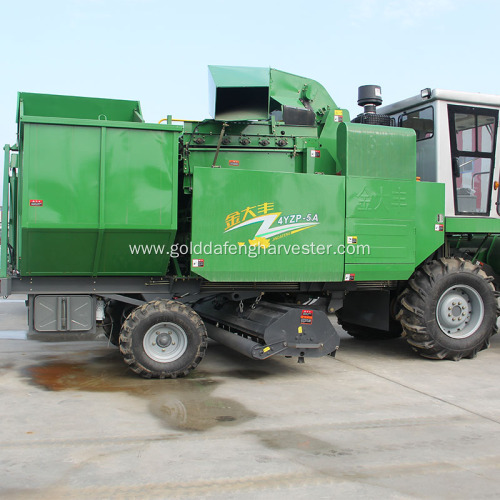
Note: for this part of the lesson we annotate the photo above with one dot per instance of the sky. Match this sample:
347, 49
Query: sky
157, 51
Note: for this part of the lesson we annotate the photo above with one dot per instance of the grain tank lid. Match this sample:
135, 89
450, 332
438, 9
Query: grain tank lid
87, 108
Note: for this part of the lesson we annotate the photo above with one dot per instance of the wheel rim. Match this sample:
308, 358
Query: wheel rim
460, 311
165, 342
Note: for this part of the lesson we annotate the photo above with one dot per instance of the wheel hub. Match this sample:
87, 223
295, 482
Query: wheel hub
460, 311
165, 342
163, 339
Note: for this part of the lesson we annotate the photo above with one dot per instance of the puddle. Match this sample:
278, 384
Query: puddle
182, 404
297, 442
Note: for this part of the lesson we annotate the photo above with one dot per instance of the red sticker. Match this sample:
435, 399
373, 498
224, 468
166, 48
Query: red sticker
198, 262
306, 317
234, 163
36, 203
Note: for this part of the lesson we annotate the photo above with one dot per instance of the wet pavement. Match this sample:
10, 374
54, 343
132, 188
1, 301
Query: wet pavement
376, 422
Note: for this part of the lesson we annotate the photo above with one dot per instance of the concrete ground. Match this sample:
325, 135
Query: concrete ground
376, 422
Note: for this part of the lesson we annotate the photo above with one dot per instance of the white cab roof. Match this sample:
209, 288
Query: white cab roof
468, 98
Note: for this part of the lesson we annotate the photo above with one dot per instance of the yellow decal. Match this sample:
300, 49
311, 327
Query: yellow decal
266, 349
300, 329
260, 242
270, 224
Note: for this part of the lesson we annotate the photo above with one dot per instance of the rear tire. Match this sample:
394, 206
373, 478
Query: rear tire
163, 339
449, 310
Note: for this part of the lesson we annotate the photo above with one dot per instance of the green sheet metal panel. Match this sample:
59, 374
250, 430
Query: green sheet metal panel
88, 193
472, 225
91, 108
381, 214
238, 76
258, 159
139, 199
238, 208
379, 163
429, 220
377, 272
376, 151
291, 90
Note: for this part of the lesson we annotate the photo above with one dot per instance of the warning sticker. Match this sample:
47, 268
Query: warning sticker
439, 227
36, 203
234, 163
352, 240
339, 115
315, 153
198, 262
306, 317
349, 277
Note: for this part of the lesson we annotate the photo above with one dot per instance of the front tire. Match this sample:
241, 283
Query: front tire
163, 339
449, 310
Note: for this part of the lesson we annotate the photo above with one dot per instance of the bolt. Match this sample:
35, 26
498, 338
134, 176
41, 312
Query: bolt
449, 308
459, 303
173, 343
154, 343
453, 303
449, 314
452, 319
163, 350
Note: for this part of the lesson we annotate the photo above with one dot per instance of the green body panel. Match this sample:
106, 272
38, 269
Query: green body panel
379, 164
377, 272
429, 211
376, 151
88, 192
89, 108
472, 225
238, 76
381, 213
218, 219
267, 160
292, 90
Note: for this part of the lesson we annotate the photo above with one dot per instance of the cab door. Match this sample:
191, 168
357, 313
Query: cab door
473, 134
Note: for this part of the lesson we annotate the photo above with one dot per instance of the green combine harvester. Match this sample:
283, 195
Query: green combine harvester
253, 226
